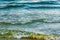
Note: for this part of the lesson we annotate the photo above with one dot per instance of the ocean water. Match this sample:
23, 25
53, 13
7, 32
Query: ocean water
31, 16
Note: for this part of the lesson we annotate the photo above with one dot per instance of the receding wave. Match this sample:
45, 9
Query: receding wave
5, 33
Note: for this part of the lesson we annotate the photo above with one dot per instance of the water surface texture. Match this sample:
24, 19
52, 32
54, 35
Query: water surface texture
30, 15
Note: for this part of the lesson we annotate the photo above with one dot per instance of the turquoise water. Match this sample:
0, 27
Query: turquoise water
41, 20
30, 17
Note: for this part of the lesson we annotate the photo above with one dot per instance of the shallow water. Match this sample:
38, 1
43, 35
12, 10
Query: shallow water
30, 17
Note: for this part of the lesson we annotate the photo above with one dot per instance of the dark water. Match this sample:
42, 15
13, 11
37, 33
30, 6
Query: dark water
30, 16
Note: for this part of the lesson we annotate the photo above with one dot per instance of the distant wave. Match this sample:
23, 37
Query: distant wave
28, 4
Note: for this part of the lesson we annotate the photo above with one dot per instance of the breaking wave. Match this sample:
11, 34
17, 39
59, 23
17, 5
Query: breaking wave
28, 16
